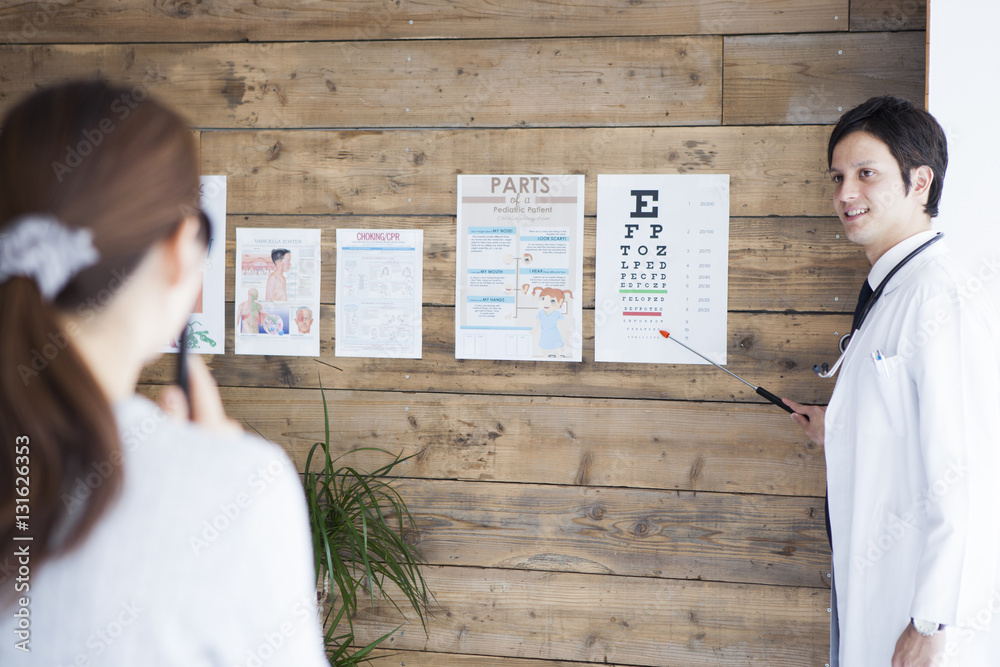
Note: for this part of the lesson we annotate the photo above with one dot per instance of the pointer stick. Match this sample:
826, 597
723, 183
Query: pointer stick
760, 390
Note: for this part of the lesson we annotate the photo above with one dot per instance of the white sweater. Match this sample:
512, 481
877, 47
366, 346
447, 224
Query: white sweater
204, 559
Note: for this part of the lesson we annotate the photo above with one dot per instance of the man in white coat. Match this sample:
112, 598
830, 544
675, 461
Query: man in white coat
910, 431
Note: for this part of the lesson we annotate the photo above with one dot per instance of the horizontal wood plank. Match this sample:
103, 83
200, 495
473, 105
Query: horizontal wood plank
363, 20
888, 15
642, 533
606, 618
782, 264
791, 79
777, 351
543, 440
396, 657
454, 83
773, 170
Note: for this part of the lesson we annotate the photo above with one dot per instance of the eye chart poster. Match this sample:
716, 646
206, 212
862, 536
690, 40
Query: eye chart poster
519, 268
277, 291
206, 327
379, 293
662, 263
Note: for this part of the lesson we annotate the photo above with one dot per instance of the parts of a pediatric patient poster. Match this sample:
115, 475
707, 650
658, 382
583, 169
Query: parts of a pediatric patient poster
379, 293
519, 273
206, 328
277, 291
662, 264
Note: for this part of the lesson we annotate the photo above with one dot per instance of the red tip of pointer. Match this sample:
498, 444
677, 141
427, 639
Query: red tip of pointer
665, 334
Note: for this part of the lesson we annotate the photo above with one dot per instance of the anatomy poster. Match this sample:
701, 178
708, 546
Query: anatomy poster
519, 268
206, 328
379, 293
662, 263
277, 291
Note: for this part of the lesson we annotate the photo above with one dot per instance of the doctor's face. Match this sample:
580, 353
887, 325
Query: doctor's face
870, 197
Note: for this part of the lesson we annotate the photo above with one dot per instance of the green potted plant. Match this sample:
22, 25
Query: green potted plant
358, 521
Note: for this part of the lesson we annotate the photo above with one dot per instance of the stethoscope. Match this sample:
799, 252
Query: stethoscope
822, 370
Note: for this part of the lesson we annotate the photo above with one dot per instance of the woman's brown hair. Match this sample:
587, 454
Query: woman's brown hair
116, 162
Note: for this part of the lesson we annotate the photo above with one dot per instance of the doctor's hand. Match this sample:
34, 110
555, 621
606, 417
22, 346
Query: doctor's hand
810, 418
915, 650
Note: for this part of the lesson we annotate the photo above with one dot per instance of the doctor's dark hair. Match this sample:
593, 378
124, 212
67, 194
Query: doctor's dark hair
913, 136
118, 163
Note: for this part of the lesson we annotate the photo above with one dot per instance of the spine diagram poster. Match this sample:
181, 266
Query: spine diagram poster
206, 328
277, 291
519, 272
662, 263
379, 293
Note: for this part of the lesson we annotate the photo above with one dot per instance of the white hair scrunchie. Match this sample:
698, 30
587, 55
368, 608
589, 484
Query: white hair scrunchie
40, 247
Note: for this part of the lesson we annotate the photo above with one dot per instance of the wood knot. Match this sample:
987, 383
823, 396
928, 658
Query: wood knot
596, 512
274, 152
583, 472
331, 86
280, 92
694, 475
412, 420
411, 537
641, 529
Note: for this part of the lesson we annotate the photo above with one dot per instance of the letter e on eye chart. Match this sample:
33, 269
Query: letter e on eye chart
662, 263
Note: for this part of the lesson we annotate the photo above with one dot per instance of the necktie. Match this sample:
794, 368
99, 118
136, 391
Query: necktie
863, 296
866, 292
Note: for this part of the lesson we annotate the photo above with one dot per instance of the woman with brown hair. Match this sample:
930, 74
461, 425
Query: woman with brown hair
127, 536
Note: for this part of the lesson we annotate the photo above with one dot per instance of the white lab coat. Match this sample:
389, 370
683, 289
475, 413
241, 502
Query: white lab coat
913, 468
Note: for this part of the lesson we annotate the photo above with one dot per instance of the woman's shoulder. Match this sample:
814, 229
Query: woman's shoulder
208, 538
145, 428
179, 466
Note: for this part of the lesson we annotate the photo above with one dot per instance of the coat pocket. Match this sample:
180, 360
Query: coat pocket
892, 392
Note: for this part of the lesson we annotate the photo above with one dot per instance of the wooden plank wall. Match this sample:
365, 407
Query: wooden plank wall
619, 514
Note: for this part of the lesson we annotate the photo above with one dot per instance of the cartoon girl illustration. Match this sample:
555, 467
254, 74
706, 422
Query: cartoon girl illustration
552, 328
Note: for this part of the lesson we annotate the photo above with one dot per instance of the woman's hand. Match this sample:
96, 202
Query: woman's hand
206, 406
